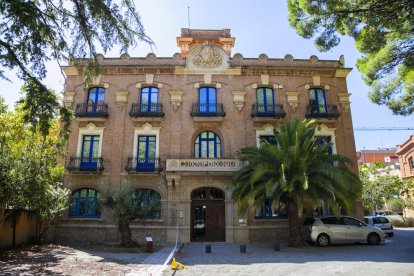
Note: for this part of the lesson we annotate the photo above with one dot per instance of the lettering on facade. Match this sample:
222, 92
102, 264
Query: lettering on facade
208, 163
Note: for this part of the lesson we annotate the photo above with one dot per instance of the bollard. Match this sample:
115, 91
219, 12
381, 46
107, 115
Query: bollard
243, 248
208, 248
276, 246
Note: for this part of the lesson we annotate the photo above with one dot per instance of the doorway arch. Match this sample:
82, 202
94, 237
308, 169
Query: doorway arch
207, 215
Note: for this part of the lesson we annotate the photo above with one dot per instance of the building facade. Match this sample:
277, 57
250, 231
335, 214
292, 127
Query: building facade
405, 154
170, 128
385, 156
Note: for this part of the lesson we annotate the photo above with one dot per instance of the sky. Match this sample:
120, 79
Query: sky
259, 27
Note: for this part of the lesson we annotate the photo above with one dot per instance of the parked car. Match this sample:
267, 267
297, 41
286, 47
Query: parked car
381, 222
333, 230
387, 213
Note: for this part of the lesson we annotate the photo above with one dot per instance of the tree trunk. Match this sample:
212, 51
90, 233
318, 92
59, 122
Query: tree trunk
123, 228
295, 233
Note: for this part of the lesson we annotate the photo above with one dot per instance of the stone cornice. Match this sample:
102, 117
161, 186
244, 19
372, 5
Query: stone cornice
243, 70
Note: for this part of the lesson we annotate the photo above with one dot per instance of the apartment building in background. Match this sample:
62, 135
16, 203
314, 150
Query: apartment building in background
170, 128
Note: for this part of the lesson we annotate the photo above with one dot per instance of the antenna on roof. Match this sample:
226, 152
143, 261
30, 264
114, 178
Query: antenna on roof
188, 14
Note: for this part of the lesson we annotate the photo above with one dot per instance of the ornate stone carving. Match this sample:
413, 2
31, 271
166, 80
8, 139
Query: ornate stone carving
207, 58
344, 101
176, 99
293, 100
121, 100
68, 99
238, 99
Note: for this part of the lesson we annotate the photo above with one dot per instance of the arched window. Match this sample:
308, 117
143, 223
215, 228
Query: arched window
96, 98
85, 203
317, 100
265, 100
207, 145
148, 204
207, 99
149, 99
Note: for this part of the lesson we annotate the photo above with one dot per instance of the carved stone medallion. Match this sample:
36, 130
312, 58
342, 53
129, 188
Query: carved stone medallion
207, 58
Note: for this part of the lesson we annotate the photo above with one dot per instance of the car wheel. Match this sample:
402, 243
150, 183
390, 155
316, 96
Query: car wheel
373, 239
391, 235
322, 240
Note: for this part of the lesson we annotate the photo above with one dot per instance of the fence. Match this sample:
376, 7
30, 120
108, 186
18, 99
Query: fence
25, 228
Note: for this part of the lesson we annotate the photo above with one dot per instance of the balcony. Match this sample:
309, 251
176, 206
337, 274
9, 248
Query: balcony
93, 165
322, 111
203, 165
274, 111
96, 111
145, 112
207, 112
143, 165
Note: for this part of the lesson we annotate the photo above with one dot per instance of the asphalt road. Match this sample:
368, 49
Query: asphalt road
393, 257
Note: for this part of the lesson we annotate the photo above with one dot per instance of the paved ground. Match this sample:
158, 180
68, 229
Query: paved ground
394, 257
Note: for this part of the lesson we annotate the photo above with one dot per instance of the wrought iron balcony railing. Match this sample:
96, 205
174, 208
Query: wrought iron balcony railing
85, 164
207, 110
143, 165
146, 110
92, 110
322, 111
268, 110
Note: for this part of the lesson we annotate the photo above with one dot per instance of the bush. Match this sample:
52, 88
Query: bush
399, 221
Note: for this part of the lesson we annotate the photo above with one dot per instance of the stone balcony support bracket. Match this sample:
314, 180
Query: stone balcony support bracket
68, 99
238, 99
176, 98
344, 101
121, 99
293, 100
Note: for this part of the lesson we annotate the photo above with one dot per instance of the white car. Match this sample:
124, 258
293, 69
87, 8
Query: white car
330, 230
381, 222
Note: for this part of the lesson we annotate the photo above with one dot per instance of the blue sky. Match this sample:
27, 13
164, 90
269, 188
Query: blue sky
259, 27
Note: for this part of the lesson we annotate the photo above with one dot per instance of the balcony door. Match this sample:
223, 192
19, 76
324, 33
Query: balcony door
149, 99
207, 215
207, 99
317, 100
146, 153
90, 153
96, 98
265, 101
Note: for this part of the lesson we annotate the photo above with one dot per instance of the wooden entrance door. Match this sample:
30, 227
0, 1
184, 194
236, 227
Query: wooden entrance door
207, 215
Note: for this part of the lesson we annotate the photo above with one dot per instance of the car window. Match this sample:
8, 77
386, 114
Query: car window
366, 220
383, 220
330, 220
350, 221
376, 220
308, 221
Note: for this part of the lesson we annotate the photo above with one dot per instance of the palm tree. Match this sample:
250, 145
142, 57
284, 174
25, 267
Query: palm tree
295, 167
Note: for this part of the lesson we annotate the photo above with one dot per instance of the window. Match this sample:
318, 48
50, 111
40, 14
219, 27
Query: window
85, 203
149, 99
146, 154
89, 152
325, 141
265, 100
148, 203
207, 99
207, 145
95, 101
268, 211
411, 162
317, 100
267, 139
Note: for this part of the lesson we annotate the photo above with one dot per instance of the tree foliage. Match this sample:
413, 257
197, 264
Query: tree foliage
378, 187
384, 33
30, 176
296, 167
34, 32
